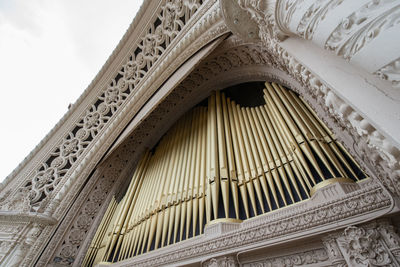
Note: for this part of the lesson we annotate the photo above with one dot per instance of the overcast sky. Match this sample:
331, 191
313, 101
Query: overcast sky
50, 50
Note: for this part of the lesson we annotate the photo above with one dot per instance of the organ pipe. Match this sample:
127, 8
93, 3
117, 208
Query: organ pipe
221, 160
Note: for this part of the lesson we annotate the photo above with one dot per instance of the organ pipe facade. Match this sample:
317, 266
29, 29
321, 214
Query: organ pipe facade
222, 161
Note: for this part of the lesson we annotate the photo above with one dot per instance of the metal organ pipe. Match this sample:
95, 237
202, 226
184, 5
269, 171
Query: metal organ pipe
222, 161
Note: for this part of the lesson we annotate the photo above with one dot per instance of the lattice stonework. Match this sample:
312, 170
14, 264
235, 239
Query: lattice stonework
174, 14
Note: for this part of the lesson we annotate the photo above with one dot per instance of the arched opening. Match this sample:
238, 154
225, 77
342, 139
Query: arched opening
244, 151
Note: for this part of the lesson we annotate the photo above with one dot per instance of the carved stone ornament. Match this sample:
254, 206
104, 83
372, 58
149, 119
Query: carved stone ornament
333, 251
57, 179
371, 244
225, 261
363, 248
59, 166
391, 72
237, 57
252, 20
298, 259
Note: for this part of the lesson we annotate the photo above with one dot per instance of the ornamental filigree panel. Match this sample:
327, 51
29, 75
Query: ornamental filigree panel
172, 17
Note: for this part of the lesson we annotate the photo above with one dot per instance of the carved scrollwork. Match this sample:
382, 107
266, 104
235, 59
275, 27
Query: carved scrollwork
298, 259
362, 26
391, 73
363, 247
314, 15
372, 244
226, 261
253, 20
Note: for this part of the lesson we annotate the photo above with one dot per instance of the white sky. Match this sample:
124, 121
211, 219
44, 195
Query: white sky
50, 50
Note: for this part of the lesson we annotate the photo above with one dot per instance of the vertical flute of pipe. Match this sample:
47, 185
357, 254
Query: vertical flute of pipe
291, 129
289, 139
189, 191
254, 159
163, 192
99, 235
270, 152
324, 132
261, 158
208, 166
203, 170
110, 232
214, 170
276, 146
286, 171
120, 220
187, 178
131, 192
181, 175
237, 156
222, 160
176, 176
300, 166
136, 181
230, 157
196, 186
309, 132
171, 179
103, 242
245, 161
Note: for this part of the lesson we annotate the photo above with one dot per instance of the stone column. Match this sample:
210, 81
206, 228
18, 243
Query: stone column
366, 33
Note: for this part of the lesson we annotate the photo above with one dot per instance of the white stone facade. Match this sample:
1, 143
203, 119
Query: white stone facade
341, 56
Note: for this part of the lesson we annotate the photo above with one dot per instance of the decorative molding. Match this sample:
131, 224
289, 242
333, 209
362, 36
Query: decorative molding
334, 253
202, 29
251, 19
376, 152
371, 244
16, 239
137, 20
269, 227
391, 73
48, 176
361, 247
60, 177
285, 10
112, 167
225, 261
69, 239
298, 259
313, 17
362, 26
207, 27
233, 54
271, 21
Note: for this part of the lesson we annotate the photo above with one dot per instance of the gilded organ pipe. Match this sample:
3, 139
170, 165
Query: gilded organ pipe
222, 160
